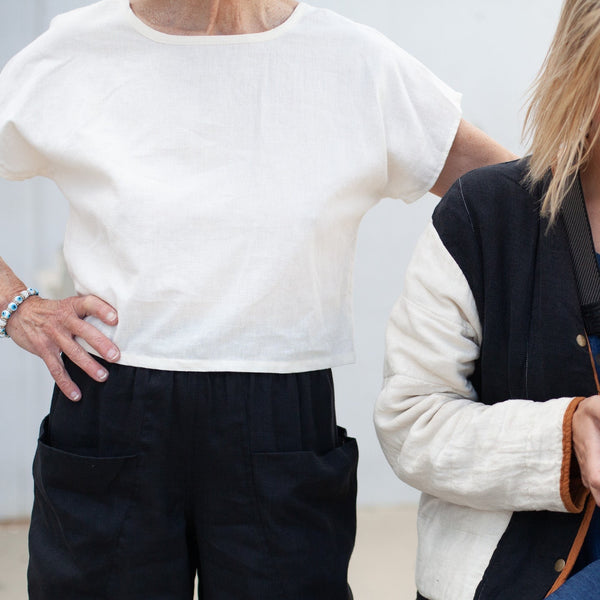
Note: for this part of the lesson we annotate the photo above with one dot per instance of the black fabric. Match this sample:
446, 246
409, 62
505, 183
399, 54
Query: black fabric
529, 309
531, 317
591, 318
155, 475
523, 563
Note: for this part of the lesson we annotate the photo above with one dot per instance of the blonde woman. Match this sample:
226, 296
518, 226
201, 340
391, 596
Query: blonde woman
489, 404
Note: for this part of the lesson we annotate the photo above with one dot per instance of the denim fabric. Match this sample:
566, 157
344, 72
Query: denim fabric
155, 476
584, 585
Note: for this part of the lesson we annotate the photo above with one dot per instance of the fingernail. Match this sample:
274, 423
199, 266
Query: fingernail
75, 396
112, 354
111, 316
102, 374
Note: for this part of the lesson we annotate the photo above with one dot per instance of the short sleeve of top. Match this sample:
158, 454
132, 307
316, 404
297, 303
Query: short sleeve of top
23, 102
421, 115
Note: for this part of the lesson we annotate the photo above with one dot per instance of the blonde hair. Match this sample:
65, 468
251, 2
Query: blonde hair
563, 102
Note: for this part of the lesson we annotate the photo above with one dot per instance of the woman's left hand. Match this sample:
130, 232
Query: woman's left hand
586, 442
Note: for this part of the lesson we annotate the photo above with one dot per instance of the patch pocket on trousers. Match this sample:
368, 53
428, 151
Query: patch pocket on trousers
80, 506
307, 504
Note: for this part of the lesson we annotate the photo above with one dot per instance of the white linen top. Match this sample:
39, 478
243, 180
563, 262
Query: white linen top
216, 183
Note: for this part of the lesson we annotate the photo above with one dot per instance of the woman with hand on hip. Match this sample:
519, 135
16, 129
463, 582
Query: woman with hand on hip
218, 156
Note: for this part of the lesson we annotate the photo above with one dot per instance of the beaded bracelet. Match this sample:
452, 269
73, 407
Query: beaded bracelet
12, 307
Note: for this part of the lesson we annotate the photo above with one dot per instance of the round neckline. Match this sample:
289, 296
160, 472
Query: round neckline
188, 40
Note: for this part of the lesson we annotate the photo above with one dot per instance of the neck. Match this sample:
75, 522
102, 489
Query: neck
213, 17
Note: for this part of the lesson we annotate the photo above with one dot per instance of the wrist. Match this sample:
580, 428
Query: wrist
12, 307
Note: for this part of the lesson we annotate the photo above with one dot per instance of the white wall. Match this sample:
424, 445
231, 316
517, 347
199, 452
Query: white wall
488, 49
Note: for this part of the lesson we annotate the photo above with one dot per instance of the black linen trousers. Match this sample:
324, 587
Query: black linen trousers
154, 476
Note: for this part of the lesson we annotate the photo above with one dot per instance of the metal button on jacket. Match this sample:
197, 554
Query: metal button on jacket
559, 565
581, 340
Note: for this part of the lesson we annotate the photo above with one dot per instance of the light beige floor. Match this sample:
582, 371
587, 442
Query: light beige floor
381, 568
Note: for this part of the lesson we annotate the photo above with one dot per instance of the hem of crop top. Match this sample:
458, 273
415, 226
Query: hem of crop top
235, 366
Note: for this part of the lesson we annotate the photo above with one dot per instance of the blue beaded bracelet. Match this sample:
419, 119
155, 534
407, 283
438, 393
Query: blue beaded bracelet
13, 305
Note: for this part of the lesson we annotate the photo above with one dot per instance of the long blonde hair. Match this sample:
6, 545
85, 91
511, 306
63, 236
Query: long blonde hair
563, 102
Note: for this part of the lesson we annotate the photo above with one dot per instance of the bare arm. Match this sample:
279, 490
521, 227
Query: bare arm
48, 327
472, 148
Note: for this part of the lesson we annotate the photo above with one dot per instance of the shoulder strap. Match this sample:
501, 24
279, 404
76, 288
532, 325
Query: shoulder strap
583, 254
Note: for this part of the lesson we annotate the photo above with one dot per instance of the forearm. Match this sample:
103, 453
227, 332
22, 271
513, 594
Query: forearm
508, 456
10, 284
513, 455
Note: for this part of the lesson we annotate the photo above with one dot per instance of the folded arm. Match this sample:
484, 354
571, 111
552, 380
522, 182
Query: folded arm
514, 455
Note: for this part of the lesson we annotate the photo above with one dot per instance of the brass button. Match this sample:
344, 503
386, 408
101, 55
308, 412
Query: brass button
559, 565
581, 340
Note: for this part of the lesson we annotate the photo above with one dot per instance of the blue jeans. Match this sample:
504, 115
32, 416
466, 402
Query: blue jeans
584, 585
